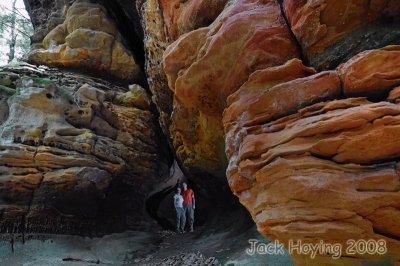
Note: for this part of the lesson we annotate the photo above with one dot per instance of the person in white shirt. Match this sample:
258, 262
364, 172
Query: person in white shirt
180, 213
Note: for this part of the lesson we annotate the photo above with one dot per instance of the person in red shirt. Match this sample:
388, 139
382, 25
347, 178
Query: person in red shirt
188, 204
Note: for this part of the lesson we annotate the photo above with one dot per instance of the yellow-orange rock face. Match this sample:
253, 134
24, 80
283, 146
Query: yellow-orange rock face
328, 30
155, 43
163, 22
205, 66
89, 41
310, 164
183, 16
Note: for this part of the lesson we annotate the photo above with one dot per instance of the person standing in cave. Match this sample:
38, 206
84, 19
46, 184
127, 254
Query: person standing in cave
188, 205
180, 212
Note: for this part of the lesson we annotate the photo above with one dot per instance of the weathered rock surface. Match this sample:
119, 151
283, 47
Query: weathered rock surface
208, 64
75, 153
331, 32
312, 155
87, 40
155, 43
311, 165
372, 73
184, 16
163, 22
45, 16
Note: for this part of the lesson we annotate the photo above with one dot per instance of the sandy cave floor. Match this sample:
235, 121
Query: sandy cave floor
203, 247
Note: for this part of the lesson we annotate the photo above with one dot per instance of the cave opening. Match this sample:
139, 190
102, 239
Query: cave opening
216, 206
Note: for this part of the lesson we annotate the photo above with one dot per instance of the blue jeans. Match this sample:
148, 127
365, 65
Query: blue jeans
180, 219
189, 213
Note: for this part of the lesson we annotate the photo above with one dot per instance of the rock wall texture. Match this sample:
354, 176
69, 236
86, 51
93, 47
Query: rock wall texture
321, 164
76, 154
329, 32
208, 64
87, 40
183, 16
295, 102
312, 155
155, 43
163, 22
45, 16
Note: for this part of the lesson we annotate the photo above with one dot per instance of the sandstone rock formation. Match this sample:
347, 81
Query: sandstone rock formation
319, 166
75, 153
312, 156
163, 22
329, 31
89, 41
183, 16
371, 73
45, 16
155, 43
208, 64
295, 101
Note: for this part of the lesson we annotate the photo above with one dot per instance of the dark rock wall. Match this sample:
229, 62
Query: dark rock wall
45, 16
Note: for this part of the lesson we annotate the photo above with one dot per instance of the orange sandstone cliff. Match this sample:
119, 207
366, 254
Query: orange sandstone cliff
293, 104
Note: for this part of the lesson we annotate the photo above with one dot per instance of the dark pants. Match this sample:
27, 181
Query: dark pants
180, 219
189, 213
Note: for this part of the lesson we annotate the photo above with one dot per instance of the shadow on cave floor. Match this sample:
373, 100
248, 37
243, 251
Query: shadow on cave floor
223, 240
223, 229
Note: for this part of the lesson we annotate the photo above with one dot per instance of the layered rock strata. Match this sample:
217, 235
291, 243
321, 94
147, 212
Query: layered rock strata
76, 154
312, 156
